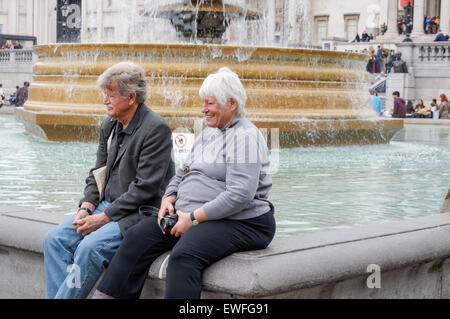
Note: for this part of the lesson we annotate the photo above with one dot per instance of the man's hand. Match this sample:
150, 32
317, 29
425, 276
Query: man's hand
82, 214
91, 223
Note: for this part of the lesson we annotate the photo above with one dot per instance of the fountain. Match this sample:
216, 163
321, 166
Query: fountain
312, 97
308, 97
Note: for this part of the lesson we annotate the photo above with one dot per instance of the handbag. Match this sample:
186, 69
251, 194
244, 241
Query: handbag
100, 173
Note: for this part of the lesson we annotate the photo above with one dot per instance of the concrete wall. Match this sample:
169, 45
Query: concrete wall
412, 256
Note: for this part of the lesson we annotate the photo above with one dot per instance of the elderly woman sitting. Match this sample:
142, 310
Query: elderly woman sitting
220, 196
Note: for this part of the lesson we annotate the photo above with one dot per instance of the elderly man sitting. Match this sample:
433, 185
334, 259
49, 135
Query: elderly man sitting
134, 154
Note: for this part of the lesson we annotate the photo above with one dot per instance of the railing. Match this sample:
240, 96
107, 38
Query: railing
434, 52
17, 56
378, 84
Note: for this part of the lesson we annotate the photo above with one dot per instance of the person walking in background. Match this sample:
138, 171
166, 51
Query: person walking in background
376, 102
383, 28
444, 107
2, 95
390, 60
428, 25
22, 94
134, 154
399, 110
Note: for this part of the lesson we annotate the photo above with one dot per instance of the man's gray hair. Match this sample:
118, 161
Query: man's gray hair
128, 78
224, 85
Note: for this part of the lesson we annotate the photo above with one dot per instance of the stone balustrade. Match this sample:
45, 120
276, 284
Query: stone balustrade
437, 51
16, 67
16, 56
429, 69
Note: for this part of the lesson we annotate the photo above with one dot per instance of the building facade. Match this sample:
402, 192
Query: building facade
286, 22
30, 18
344, 19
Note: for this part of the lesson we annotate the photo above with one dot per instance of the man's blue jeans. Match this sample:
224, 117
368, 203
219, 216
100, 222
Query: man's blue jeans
74, 263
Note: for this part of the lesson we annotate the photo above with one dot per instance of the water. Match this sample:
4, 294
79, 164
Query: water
143, 21
315, 189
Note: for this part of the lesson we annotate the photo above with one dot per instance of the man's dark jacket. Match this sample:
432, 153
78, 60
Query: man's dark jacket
399, 108
139, 171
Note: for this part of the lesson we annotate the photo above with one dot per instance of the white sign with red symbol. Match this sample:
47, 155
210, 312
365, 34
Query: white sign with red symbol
182, 144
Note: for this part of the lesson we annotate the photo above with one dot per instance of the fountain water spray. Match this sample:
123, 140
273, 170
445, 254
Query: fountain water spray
311, 97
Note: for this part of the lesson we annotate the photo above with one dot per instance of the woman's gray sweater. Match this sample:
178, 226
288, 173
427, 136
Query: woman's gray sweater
226, 172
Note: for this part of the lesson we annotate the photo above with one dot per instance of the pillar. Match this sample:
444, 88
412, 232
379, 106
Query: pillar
12, 18
445, 16
84, 34
30, 18
431, 8
419, 11
271, 18
44, 36
99, 20
392, 33
292, 21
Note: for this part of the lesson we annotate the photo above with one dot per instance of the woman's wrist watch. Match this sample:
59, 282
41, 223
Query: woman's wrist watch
194, 221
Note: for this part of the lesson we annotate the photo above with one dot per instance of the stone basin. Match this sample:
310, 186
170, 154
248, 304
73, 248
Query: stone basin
299, 97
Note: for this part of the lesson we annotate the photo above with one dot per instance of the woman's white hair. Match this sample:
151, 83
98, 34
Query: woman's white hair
128, 78
224, 85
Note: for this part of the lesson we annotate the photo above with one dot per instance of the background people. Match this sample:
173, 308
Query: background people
399, 110
444, 107
22, 94
2, 95
376, 102
421, 110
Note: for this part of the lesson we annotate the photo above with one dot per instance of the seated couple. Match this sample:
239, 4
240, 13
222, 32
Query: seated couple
221, 202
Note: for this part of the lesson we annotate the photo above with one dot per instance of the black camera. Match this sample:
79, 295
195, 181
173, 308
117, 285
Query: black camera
168, 222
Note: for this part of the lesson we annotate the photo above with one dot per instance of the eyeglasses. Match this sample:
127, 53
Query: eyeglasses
110, 97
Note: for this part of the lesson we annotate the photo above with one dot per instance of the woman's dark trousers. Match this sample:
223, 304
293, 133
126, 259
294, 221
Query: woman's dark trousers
198, 248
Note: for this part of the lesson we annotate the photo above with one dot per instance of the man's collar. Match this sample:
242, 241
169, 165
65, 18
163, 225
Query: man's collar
134, 122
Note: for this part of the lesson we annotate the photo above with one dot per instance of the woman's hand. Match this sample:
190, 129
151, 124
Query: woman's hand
183, 224
166, 207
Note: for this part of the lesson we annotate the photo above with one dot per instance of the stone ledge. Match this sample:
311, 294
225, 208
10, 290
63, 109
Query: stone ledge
331, 264
427, 121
